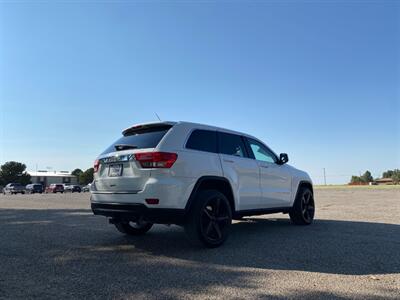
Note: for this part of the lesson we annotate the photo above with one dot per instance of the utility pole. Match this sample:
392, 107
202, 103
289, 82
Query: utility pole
324, 177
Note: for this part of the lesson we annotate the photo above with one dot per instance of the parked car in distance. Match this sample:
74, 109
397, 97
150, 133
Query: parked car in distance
197, 176
86, 188
55, 188
34, 188
72, 188
14, 188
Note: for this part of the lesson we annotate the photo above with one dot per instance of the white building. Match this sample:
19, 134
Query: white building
48, 177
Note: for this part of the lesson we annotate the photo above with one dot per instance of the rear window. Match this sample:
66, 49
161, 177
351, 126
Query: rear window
148, 138
203, 140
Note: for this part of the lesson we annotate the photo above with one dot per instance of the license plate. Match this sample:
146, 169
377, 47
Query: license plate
115, 170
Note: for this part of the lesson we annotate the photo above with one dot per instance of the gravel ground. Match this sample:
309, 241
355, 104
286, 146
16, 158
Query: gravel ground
51, 246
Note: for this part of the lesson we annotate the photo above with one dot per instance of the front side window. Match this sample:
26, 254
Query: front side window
261, 152
231, 144
203, 140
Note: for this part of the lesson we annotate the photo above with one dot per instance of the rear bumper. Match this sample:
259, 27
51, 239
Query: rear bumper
124, 211
172, 192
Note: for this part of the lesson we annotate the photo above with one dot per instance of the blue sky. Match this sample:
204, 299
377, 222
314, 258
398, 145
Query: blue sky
318, 80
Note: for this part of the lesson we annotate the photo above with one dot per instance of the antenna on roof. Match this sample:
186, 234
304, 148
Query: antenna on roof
158, 117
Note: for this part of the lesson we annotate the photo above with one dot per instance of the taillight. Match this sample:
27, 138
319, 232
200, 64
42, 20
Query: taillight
96, 165
156, 159
152, 201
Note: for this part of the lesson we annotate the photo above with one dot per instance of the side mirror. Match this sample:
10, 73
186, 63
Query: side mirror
283, 158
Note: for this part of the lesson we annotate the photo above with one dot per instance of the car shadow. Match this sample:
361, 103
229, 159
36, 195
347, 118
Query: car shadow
327, 246
69, 253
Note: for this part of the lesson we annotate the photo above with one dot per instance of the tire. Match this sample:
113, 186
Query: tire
303, 210
209, 219
133, 228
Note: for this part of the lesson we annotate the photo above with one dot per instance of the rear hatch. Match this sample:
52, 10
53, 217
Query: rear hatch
117, 170
59, 188
37, 187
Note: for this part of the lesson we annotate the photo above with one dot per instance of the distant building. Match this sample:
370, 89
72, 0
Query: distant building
384, 181
48, 177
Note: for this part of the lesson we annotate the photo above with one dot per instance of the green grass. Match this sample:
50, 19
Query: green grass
346, 186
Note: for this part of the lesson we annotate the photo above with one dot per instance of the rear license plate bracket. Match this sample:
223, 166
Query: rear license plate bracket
115, 170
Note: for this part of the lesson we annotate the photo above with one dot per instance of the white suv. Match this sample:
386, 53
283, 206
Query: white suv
197, 176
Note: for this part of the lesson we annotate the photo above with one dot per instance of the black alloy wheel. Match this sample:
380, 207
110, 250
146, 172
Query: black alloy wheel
214, 219
303, 210
307, 206
139, 227
209, 220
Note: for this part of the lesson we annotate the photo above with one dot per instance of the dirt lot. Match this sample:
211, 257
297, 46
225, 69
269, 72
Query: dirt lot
51, 246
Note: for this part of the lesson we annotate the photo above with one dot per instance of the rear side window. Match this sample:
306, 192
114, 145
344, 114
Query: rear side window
231, 144
138, 140
203, 140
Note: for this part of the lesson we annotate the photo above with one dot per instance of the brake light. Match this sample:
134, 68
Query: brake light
152, 201
156, 159
96, 165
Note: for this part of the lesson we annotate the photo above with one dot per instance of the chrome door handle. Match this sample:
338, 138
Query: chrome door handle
229, 161
266, 167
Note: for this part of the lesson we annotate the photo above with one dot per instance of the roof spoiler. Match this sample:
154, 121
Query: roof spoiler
145, 127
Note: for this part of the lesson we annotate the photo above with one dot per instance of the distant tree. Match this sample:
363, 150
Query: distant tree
355, 180
13, 171
387, 174
396, 176
367, 177
77, 172
86, 177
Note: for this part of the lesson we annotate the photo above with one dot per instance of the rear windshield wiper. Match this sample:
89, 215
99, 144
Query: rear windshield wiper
120, 147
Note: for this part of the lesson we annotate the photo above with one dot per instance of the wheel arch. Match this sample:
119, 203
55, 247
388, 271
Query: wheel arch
218, 183
303, 183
